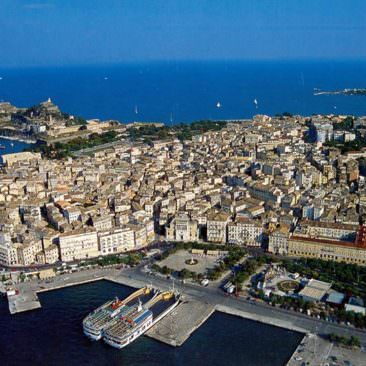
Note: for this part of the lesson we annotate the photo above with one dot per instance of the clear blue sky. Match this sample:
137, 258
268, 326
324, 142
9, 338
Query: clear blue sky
44, 32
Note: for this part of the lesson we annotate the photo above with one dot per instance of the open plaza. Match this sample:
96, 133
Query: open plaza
192, 260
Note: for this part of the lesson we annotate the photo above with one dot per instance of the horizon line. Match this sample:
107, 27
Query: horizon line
176, 61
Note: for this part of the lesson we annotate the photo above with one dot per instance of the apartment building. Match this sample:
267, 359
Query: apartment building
78, 245
116, 241
278, 241
217, 226
329, 230
245, 232
326, 249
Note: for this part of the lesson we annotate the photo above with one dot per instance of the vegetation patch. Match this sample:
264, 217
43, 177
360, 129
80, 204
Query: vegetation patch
350, 342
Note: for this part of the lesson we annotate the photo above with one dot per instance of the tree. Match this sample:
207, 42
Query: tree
354, 342
184, 273
166, 271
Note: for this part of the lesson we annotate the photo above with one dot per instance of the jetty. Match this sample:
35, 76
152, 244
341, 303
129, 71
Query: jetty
315, 350
25, 300
25, 296
176, 327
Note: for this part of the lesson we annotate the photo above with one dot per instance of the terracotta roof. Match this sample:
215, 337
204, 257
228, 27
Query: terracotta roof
327, 241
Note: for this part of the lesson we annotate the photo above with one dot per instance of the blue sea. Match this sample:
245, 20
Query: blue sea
174, 92
52, 336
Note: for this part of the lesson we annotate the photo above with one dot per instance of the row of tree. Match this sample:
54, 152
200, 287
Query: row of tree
182, 131
351, 341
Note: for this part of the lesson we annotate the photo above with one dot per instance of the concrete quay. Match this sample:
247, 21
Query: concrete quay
175, 328
260, 318
23, 301
316, 351
27, 298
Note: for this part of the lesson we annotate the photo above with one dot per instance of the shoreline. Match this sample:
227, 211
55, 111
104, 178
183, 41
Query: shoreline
12, 138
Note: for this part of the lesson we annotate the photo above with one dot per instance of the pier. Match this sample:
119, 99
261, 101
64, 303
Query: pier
25, 300
315, 350
175, 328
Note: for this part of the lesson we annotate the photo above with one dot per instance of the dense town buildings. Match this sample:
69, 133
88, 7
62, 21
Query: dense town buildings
251, 183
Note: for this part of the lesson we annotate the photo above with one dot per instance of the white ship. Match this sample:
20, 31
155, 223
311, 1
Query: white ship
124, 329
97, 321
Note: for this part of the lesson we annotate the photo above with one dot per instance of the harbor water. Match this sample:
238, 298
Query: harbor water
11, 146
53, 336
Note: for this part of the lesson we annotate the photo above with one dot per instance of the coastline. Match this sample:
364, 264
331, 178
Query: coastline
13, 138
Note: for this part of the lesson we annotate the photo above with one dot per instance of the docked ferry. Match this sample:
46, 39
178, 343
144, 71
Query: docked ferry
126, 328
97, 321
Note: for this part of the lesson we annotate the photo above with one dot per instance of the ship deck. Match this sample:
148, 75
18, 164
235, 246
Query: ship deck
160, 306
103, 316
122, 325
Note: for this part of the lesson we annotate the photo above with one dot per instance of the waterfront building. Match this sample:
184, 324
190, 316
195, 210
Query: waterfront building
27, 252
80, 244
8, 252
51, 254
116, 241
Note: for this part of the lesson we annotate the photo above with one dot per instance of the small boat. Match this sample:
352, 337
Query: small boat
218, 105
12, 144
2, 147
255, 102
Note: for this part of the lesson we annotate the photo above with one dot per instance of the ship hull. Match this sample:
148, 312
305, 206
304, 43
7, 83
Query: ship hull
93, 337
137, 334
95, 333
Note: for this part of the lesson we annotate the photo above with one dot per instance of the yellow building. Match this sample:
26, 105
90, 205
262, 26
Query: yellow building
46, 273
326, 249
